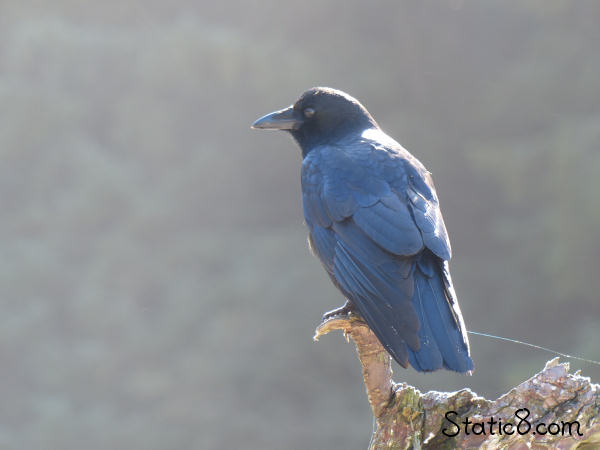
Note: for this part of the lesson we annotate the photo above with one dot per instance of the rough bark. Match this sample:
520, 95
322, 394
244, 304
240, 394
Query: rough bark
409, 419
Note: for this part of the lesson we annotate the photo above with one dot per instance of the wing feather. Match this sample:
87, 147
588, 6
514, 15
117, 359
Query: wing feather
370, 219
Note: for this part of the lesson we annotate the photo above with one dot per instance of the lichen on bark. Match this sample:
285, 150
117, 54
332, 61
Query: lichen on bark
408, 419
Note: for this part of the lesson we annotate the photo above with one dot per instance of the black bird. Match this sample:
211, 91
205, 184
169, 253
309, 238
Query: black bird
374, 222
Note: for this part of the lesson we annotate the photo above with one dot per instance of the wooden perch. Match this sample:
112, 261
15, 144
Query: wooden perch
553, 409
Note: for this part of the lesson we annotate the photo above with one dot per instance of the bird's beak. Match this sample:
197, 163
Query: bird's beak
284, 119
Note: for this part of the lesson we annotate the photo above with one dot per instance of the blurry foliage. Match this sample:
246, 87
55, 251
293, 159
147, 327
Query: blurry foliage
157, 291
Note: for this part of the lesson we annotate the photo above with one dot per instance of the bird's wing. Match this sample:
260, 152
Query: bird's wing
391, 197
364, 233
424, 205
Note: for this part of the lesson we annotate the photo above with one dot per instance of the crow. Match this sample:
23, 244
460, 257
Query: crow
375, 224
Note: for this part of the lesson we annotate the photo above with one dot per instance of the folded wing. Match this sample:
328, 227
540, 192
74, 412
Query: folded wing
372, 222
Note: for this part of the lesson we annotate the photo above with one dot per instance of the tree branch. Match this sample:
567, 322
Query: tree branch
552, 409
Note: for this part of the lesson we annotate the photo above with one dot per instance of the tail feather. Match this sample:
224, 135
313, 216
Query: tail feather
443, 342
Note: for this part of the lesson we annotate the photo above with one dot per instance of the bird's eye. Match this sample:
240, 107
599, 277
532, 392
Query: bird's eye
309, 112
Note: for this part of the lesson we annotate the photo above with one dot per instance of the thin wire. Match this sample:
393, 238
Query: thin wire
539, 347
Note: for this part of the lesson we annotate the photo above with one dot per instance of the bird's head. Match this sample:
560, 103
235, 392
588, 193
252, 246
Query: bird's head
320, 116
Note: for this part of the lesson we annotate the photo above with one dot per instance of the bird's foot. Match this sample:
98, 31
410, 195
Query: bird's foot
342, 312
343, 318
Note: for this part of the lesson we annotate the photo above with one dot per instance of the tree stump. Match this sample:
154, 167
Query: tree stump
553, 409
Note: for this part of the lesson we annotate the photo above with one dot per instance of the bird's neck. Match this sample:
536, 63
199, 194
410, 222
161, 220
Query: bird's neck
308, 140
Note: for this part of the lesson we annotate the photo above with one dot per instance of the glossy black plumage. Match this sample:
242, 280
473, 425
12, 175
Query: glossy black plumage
375, 224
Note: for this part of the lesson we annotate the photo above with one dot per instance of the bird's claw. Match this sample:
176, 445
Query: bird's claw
338, 319
343, 311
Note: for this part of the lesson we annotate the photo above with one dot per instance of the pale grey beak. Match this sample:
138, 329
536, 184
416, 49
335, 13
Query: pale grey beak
284, 119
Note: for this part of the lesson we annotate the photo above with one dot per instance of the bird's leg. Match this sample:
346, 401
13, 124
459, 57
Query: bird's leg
344, 311
343, 318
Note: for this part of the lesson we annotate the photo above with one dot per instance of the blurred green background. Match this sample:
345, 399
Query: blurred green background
157, 290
